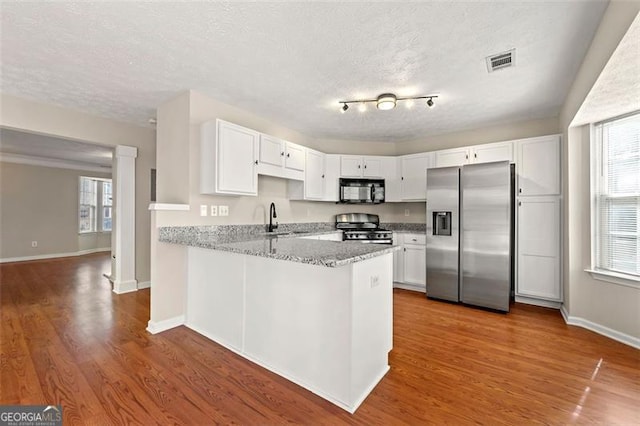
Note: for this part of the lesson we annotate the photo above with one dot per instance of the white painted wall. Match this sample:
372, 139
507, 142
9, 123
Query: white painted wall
605, 304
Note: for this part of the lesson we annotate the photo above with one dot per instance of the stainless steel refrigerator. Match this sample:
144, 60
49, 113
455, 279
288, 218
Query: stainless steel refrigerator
470, 235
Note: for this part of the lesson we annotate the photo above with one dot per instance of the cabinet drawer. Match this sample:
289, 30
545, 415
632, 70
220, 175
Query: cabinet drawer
414, 239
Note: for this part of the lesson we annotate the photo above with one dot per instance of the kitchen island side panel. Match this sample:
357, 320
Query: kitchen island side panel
215, 295
298, 322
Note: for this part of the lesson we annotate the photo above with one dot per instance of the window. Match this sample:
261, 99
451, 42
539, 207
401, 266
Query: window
106, 205
95, 207
616, 187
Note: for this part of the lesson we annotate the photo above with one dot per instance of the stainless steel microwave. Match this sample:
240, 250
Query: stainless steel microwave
361, 191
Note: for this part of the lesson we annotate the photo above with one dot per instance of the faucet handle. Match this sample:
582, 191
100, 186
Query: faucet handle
275, 226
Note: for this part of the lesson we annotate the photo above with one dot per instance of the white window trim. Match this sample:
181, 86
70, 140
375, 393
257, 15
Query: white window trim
99, 206
612, 277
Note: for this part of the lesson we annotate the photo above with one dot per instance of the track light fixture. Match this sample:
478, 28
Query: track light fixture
385, 101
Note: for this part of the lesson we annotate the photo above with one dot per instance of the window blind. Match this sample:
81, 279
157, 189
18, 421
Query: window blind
617, 195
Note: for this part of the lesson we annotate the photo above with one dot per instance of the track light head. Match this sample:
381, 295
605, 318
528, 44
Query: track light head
430, 103
345, 107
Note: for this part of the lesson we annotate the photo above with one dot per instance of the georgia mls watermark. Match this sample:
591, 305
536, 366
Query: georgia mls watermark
30, 415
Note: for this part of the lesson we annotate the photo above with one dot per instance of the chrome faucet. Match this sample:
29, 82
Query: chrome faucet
272, 215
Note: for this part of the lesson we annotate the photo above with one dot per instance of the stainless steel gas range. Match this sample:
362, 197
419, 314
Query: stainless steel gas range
363, 227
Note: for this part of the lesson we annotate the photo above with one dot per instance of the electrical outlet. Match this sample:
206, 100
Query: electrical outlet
34, 244
203, 210
224, 210
214, 210
407, 212
375, 281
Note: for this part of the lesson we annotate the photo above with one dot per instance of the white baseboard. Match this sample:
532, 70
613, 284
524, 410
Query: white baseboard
120, 287
155, 327
411, 287
97, 250
144, 284
538, 302
53, 255
600, 329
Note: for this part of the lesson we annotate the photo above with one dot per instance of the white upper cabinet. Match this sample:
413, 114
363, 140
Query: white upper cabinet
350, 166
357, 166
487, 153
271, 150
414, 176
452, 157
228, 159
294, 156
538, 166
314, 179
331, 177
280, 158
372, 167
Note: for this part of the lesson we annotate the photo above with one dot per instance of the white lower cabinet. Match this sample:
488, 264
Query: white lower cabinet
409, 267
538, 249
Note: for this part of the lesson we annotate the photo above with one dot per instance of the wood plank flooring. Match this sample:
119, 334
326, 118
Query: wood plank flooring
67, 339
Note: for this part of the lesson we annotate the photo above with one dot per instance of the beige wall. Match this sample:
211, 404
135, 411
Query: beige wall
41, 204
35, 117
606, 304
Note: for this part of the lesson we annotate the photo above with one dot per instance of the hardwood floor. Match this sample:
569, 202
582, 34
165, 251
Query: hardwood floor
67, 339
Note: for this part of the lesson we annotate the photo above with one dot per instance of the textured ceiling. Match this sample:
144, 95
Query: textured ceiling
617, 90
291, 62
33, 145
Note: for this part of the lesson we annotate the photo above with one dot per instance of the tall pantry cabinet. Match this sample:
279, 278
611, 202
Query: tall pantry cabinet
538, 231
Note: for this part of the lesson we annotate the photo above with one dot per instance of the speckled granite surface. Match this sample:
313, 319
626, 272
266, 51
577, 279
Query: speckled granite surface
251, 240
405, 227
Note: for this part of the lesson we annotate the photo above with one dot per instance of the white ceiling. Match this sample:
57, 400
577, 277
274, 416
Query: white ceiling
46, 147
292, 62
617, 89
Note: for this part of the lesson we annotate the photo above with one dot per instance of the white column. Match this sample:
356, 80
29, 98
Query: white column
124, 248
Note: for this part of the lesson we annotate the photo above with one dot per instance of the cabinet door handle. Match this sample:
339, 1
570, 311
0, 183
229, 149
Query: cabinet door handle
402, 178
322, 176
256, 162
466, 157
413, 239
475, 155
519, 203
365, 166
282, 153
404, 249
358, 165
520, 190
288, 155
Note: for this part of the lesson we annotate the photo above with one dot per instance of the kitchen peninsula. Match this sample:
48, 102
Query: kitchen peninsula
318, 313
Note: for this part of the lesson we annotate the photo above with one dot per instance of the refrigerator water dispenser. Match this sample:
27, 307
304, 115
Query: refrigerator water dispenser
442, 223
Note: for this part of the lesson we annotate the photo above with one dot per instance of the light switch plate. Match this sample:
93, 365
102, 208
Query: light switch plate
203, 210
214, 210
224, 210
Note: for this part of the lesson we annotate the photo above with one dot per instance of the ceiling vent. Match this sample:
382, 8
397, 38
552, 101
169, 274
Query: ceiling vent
501, 60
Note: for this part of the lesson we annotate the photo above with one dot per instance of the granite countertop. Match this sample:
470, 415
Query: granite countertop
252, 240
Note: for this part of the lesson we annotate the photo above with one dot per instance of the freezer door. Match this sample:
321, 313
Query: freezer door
442, 233
485, 235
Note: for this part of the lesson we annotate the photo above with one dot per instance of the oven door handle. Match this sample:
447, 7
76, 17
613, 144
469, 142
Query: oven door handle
373, 191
